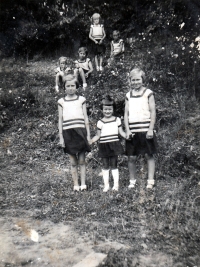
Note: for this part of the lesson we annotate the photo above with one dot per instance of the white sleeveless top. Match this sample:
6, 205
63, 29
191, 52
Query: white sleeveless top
117, 46
97, 31
139, 113
73, 116
83, 65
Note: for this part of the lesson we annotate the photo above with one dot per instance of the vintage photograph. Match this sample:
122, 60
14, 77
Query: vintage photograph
100, 133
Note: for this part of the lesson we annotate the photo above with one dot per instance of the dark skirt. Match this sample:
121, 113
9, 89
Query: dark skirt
110, 149
98, 49
75, 141
140, 145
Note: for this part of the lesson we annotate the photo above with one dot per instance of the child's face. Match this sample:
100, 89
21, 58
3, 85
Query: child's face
96, 21
136, 81
70, 87
62, 64
107, 111
115, 36
82, 55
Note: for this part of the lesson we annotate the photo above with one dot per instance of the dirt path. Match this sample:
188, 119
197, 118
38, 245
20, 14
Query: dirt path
40, 243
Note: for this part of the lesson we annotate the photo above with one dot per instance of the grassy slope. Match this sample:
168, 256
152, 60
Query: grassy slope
36, 175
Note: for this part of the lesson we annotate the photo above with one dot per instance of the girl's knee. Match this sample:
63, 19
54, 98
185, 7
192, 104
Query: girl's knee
149, 157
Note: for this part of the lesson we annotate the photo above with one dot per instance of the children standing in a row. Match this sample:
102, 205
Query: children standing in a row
139, 119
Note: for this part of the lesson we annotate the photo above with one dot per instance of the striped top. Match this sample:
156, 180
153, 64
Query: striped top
97, 31
73, 116
109, 130
139, 114
84, 65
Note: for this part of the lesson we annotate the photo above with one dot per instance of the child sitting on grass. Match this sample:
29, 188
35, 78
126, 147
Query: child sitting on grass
66, 66
117, 48
84, 65
139, 120
108, 130
74, 129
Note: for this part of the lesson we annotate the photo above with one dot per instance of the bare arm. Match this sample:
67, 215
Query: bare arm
152, 108
86, 121
104, 35
96, 137
90, 36
126, 113
122, 133
60, 122
111, 49
90, 67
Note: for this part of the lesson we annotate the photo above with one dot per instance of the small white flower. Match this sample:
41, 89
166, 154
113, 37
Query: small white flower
183, 63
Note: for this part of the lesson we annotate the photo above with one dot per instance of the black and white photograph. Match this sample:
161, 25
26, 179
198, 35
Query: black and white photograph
100, 133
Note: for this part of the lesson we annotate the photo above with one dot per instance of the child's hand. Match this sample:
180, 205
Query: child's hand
86, 75
57, 88
96, 42
100, 42
149, 134
90, 142
129, 135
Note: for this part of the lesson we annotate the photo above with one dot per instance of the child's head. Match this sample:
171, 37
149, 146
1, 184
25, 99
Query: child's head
82, 52
62, 61
70, 84
136, 75
108, 106
95, 19
116, 35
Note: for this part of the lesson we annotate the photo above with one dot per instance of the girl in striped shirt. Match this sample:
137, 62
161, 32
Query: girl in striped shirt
108, 130
139, 120
74, 129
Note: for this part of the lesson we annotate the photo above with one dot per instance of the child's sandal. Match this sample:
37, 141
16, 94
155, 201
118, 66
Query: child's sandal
98, 68
132, 184
83, 187
150, 184
76, 188
106, 188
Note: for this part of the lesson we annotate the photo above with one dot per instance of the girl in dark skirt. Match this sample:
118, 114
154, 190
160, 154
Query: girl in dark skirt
139, 119
108, 130
74, 129
97, 35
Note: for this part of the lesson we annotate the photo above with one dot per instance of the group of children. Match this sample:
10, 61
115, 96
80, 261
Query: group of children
83, 66
139, 121
139, 116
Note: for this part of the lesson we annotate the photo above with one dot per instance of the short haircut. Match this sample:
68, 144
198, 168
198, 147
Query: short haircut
137, 70
95, 16
108, 101
70, 77
62, 59
116, 32
83, 49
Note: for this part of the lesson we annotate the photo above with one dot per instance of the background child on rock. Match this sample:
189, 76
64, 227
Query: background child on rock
97, 35
74, 129
117, 47
84, 65
65, 68
139, 119
108, 130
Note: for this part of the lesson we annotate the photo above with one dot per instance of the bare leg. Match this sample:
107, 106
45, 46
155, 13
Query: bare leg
132, 170
101, 61
74, 170
96, 62
151, 170
82, 74
81, 162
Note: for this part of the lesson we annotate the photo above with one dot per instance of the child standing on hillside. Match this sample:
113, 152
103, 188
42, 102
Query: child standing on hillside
139, 119
84, 65
97, 35
117, 47
66, 67
74, 129
108, 130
